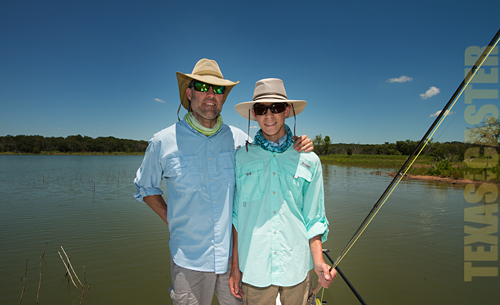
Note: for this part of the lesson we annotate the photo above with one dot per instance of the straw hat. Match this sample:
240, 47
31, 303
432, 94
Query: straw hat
207, 71
269, 90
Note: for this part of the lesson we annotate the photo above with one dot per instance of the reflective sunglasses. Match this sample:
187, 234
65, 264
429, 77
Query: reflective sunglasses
261, 109
203, 87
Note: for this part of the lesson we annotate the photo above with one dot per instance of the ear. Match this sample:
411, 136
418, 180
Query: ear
188, 93
287, 110
254, 116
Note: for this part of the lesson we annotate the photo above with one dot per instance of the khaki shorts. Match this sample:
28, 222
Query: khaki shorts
190, 287
294, 295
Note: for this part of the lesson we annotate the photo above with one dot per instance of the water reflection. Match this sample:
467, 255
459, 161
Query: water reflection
412, 252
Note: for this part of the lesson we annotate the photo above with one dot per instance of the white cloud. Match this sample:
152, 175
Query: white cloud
430, 93
401, 79
439, 111
159, 100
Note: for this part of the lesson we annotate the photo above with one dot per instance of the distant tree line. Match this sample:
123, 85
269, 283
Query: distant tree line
453, 151
70, 144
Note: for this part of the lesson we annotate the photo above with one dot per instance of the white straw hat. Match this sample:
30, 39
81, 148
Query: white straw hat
269, 90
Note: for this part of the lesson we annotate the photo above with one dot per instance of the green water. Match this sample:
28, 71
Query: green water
412, 252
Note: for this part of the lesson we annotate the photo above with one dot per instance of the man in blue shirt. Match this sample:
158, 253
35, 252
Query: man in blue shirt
196, 158
278, 214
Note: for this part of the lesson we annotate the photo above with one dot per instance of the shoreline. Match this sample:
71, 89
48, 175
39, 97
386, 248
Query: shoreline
443, 179
74, 154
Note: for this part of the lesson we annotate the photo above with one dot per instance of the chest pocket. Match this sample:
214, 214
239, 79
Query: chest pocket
250, 181
185, 172
297, 178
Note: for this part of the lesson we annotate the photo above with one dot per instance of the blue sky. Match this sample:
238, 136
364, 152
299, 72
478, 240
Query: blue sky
107, 68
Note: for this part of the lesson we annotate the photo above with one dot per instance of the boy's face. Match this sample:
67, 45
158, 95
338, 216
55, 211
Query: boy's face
272, 124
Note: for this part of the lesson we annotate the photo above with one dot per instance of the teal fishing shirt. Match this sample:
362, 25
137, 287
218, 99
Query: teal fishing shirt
278, 207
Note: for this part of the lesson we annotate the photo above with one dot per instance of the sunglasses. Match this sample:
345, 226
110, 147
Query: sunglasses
261, 109
203, 87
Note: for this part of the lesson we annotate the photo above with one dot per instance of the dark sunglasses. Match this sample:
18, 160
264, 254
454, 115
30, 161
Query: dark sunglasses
203, 87
261, 109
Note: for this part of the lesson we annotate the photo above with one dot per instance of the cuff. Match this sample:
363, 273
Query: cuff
319, 228
144, 192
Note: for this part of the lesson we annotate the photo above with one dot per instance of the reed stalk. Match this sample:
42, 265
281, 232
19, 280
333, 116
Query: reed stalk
24, 282
40, 280
72, 267
68, 272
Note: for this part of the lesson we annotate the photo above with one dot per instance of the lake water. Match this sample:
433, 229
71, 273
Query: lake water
412, 252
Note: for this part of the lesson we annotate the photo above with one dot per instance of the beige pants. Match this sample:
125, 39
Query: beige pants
294, 295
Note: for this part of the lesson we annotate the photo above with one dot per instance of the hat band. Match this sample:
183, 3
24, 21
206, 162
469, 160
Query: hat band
270, 97
208, 72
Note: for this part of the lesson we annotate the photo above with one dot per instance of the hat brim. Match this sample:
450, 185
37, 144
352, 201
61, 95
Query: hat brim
184, 79
245, 109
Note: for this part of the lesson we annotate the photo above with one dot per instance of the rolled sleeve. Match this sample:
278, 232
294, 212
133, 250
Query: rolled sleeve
144, 192
149, 175
314, 207
319, 228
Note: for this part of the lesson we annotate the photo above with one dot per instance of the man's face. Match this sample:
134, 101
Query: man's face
272, 124
206, 106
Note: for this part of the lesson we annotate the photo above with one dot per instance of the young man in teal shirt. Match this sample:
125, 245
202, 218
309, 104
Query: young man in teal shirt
279, 221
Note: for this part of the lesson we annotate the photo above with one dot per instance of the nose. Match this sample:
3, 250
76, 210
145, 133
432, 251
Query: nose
210, 90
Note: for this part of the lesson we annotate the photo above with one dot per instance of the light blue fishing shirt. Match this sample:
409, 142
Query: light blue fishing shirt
278, 207
199, 173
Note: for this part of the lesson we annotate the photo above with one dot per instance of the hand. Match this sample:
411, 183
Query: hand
303, 144
234, 282
325, 277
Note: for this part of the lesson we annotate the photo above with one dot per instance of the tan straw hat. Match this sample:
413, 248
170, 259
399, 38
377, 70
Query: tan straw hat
207, 71
269, 90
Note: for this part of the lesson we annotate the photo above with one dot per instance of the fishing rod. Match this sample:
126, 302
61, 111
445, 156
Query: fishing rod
317, 301
414, 155
360, 299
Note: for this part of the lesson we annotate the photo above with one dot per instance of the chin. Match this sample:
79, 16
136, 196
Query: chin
269, 131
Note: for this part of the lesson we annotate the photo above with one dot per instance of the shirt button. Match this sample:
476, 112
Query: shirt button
274, 193
274, 173
216, 245
214, 201
244, 204
274, 212
211, 180
216, 223
274, 156
275, 252
209, 158
274, 232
